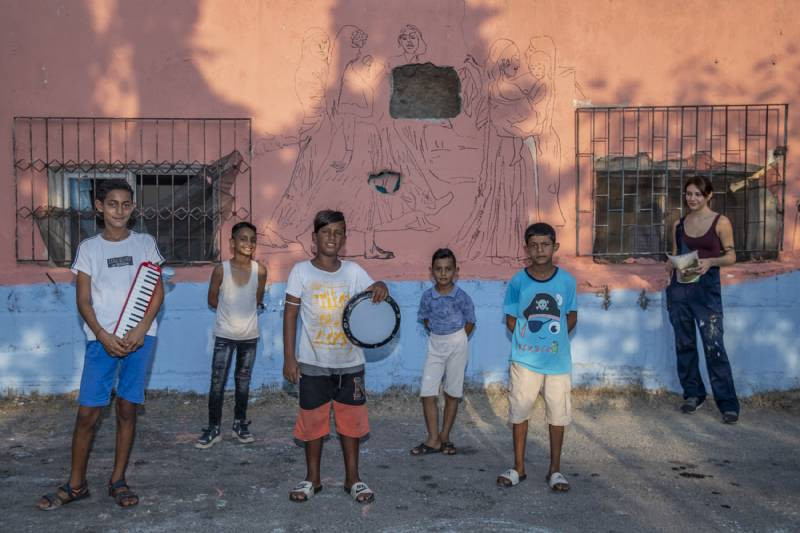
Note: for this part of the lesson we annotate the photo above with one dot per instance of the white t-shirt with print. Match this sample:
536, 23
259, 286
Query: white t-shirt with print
112, 265
323, 297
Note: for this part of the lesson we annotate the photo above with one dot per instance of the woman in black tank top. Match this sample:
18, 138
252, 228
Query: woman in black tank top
699, 304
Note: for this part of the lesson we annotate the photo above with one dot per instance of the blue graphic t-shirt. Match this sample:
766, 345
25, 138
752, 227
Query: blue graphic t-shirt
541, 341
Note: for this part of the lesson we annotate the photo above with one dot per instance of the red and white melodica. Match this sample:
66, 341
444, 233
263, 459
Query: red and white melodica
139, 298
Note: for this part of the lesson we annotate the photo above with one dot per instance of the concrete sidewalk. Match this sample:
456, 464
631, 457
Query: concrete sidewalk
634, 462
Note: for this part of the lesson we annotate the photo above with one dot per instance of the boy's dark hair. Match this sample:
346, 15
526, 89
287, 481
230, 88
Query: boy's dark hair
105, 186
239, 225
540, 229
443, 253
327, 216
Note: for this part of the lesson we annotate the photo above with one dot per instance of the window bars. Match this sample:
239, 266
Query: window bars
191, 180
632, 163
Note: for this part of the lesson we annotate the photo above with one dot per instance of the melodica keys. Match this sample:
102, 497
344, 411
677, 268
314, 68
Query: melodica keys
139, 297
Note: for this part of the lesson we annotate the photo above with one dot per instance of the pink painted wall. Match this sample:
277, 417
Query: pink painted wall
285, 63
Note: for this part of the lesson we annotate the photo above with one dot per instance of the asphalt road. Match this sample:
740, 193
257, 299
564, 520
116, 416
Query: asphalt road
633, 461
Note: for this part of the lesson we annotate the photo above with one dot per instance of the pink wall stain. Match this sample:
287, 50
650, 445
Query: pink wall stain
315, 79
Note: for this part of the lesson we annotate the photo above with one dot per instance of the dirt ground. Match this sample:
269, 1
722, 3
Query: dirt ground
634, 463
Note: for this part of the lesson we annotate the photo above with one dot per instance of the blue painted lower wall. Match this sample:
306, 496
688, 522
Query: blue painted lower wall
42, 343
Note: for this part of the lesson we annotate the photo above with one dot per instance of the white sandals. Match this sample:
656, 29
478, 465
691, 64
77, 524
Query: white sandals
358, 489
306, 488
512, 476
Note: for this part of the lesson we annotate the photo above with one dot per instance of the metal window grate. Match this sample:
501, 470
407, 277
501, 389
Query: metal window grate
632, 162
191, 179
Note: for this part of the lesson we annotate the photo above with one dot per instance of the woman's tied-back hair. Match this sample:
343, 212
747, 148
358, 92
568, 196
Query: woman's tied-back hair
105, 186
327, 216
443, 253
702, 183
540, 229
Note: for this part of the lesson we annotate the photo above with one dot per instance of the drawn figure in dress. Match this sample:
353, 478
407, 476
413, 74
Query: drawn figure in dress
545, 146
318, 83
401, 147
505, 185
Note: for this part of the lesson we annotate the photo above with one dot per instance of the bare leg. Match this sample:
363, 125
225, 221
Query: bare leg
350, 453
126, 428
82, 437
313, 461
520, 435
449, 417
430, 408
556, 442
520, 432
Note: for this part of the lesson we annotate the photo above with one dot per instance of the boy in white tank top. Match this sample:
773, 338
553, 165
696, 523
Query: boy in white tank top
235, 291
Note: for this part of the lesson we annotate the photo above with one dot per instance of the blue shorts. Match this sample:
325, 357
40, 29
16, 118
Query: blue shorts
99, 370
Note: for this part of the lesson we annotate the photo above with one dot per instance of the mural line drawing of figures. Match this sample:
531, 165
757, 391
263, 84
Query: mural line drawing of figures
545, 144
346, 136
311, 86
520, 176
332, 166
402, 148
505, 185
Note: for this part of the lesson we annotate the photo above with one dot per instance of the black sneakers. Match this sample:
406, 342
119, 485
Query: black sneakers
730, 417
241, 432
690, 405
210, 437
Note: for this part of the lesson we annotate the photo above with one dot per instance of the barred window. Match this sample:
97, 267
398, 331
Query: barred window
633, 162
191, 180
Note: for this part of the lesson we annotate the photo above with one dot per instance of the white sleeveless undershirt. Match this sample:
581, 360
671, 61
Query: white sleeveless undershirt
236, 307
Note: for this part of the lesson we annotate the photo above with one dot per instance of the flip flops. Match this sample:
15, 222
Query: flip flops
448, 448
424, 449
555, 479
513, 478
359, 489
306, 488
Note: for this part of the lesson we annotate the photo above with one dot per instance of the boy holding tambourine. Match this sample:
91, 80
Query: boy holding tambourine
328, 367
449, 316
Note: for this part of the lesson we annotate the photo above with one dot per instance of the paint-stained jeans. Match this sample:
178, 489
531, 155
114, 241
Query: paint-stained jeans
245, 356
700, 303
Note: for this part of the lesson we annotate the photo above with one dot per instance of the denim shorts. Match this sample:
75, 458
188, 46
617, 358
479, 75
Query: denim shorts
99, 370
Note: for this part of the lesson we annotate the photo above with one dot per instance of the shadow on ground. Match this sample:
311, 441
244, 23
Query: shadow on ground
634, 462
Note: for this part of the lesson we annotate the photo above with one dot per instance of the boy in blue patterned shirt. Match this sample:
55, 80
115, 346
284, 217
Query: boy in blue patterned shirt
541, 310
449, 316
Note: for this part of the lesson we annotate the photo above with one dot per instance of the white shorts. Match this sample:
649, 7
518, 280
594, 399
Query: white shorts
524, 386
447, 356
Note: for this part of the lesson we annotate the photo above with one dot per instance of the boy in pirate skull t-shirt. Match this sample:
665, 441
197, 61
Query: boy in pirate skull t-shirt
541, 310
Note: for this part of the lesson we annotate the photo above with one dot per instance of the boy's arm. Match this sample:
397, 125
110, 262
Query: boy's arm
426, 324
469, 314
134, 339
572, 319
83, 298
214, 285
262, 283
511, 323
290, 369
379, 291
